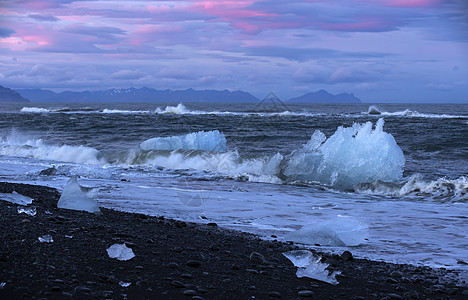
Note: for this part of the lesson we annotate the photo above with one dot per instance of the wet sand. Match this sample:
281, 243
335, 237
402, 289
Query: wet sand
177, 260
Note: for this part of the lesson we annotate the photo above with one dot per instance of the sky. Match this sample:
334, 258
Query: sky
380, 50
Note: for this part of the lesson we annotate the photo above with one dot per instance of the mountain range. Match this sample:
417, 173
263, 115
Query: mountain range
189, 95
9, 95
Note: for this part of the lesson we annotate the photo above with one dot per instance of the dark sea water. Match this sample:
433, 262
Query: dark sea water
393, 187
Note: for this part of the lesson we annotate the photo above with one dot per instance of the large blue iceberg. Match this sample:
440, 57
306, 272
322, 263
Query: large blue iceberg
352, 155
201, 140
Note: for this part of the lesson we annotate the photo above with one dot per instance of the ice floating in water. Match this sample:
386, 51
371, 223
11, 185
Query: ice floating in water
202, 140
309, 265
14, 197
76, 197
373, 110
351, 156
30, 211
341, 231
120, 251
46, 239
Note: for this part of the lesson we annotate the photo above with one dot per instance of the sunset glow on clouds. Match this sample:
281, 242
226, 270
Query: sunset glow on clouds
382, 50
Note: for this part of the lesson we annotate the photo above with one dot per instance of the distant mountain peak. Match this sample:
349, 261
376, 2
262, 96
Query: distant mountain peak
322, 96
9, 95
140, 95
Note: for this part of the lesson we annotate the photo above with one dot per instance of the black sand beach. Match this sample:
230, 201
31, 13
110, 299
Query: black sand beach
177, 260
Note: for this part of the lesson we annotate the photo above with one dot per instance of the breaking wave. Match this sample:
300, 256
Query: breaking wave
442, 189
34, 110
374, 110
363, 158
208, 141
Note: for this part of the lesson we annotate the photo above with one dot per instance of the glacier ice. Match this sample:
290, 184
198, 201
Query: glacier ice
353, 155
124, 284
30, 211
120, 252
309, 265
201, 140
77, 197
340, 231
16, 198
46, 239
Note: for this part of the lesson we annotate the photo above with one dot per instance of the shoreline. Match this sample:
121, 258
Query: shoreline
177, 260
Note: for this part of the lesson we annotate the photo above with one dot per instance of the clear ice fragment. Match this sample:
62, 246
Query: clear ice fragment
77, 197
309, 265
124, 284
46, 239
120, 252
30, 211
14, 197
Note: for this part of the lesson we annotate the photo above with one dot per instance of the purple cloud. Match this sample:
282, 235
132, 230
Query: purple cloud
47, 17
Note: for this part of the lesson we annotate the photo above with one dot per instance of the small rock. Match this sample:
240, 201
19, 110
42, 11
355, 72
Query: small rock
186, 275
394, 296
227, 280
347, 256
178, 284
396, 274
193, 263
82, 290
172, 265
465, 293
252, 287
190, 293
212, 224
257, 258
55, 288
412, 295
253, 271
392, 280
198, 298
305, 293
274, 294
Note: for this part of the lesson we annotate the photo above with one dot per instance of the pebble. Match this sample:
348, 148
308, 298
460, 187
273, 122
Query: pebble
55, 288
465, 293
198, 298
305, 293
82, 289
347, 256
173, 265
186, 275
178, 284
412, 295
193, 263
257, 258
190, 293
394, 296
212, 224
396, 274
274, 294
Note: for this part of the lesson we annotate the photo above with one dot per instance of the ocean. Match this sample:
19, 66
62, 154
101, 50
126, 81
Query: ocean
390, 186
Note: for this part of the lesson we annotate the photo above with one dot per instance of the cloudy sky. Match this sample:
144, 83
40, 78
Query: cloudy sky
380, 50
